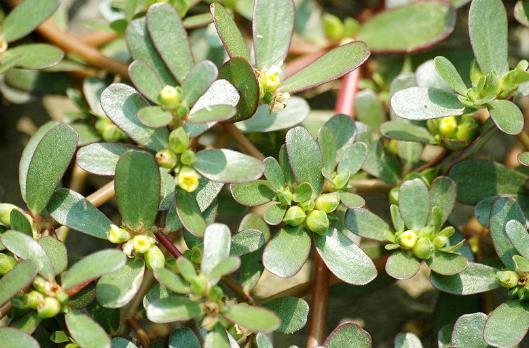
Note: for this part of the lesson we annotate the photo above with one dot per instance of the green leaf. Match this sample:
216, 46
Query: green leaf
246, 241
352, 200
214, 113
521, 10
504, 210
449, 74
443, 193
116, 289
85, 331
303, 193
369, 109
50, 159
263, 341
304, 157
171, 281
507, 325
33, 56
468, 331
27, 248
331, 66
408, 28
407, 340
173, 308
523, 158
328, 151
476, 278
93, 266
189, 213
292, 311
241, 75
170, 38
274, 214
344, 258
15, 338
121, 104
183, 338
26, 17
252, 194
348, 334
120, 342
56, 252
217, 338
353, 158
406, 131
228, 166
217, 243
343, 128
402, 265
145, 80
155, 116
257, 319
229, 33
17, 279
286, 253
273, 173
421, 103
70, 209
295, 112
489, 42
517, 233
414, 203
198, 81
142, 48
507, 116
252, 221
494, 179
366, 224
138, 208
273, 23
447, 263
100, 158
19, 222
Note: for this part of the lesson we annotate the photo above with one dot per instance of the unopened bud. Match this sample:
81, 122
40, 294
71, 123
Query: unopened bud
112, 133
332, 27
447, 126
294, 216
508, 279
62, 296
394, 195
188, 157
154, 258
7, 263
48, 308
166, 159
188, 179
170, 97
33, 299
467, 129
423, 249
285, 197
317, 221
350, 26
407, 239
178, 140
41, 285
5, 213
328, 202
141, 244
118, 235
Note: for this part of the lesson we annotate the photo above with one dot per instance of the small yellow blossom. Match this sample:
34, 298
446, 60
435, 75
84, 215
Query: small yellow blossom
188, 179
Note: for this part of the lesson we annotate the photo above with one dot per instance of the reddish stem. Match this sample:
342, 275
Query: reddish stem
168, 245
76, 289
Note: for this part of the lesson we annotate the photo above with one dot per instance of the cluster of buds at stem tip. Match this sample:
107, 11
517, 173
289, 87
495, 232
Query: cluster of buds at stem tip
455, 132
146, 245
313, 213
422, 247
171, 99
335, 30
47, 298
269, 82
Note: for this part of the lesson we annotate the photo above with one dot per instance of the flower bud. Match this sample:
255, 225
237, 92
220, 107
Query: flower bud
154, 258
166, 159
41, 285
199, 284
508, 279
317, 221
7, 263
440, 241
188, 179
341, 180
423, 249
350, 27
328, 202
170, 97
48, 308
407, 239
285, 197
118, 235
188, 157
141, 244
30, 300
178, 140
467, 129
447, 126
112, 133
62, 296
332, 27
216, 294
294, 216
394, 195
5, 213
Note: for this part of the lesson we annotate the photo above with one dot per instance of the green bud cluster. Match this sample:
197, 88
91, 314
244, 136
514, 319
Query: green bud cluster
7, 262
109, 131
179, 158
423, 243
146, 246
313, 213
46, 297
454, 132
337, 30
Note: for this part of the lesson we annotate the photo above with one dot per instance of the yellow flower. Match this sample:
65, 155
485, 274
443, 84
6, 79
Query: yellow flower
408, 239
170, 97
447, 126
141, 243
118, 235
270, 78
188, 179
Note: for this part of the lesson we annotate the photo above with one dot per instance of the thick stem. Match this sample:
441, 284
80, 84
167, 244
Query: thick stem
168, 244
243, 141
103, 195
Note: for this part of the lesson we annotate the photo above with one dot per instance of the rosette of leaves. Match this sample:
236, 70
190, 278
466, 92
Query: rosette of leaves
308, 190
35, 293
418, 233
507, 325
19, 23
493, 84
194, 294
273, 25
